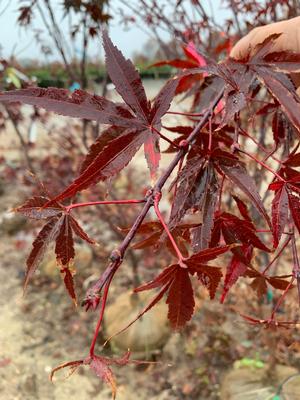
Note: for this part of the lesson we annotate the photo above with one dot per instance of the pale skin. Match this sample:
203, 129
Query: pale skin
289, 40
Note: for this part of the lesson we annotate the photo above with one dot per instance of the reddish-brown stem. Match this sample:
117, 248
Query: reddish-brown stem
262, 164
116, 256
296, 269
95, 203
99, 322
164, 137
295, 255
277, 255
221, 192
187, 114
281, 298
172, 240
269, 154
176, 183
236, 131
269, 231
210, 134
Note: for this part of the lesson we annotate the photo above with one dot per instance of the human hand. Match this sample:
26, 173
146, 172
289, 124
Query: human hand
289, 40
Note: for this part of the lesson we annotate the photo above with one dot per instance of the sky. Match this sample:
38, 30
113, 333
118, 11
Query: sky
21, 43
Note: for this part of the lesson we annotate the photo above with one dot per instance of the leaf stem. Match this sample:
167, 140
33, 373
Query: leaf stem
296, 269
210, 134
164, 137
281, 298
187, 114
161, 219
277, 255
95, 203
99, 322
262, 164
178, 172
221, 192
269, 154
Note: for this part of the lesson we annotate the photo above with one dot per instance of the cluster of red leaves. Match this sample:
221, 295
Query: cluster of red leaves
208, 155
59, 228
175, 281
285, 204
100, 366
193, 60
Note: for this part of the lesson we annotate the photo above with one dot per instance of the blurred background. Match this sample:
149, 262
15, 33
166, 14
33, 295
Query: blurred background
56, 43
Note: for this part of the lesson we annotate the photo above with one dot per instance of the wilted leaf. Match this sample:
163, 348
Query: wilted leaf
280, 206
240, 177
235, 269
64, 248
33, 208
48, 234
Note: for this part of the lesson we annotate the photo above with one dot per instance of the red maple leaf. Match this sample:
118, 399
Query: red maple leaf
193, 60
286, 203
59, 228
175, 282
101, 366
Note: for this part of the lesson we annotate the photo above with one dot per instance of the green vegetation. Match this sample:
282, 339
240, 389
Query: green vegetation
55, 74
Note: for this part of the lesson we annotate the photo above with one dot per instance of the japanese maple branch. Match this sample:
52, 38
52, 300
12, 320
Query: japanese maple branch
93, 295
172, 240
118, 254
